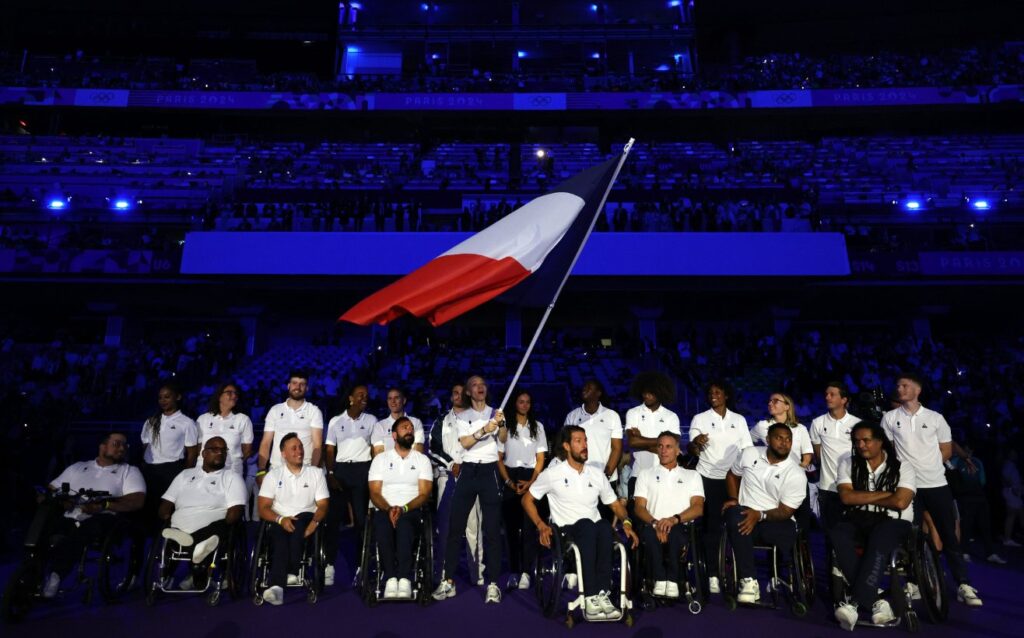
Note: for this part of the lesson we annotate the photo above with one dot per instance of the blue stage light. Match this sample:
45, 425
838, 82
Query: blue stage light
674, 3
912, 204
593, 7
57, 204
521, 54
121, 204
981, 204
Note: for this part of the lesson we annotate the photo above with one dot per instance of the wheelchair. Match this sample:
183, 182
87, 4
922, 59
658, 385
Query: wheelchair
916, 561
796, 588
371, 577
693, 574
117, 555
551, 584
225, 572
312, 565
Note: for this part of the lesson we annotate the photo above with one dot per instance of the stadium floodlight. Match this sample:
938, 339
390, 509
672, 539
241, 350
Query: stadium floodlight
541, 153
981, 204
121, 204
593, 8
912, 205
674, 3
595, 55
56, 203
521, 54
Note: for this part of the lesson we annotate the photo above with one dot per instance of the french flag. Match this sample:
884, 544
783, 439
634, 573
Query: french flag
536, 243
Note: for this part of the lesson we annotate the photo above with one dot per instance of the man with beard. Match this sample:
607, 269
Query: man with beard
765, 488
202, 504
400, 485
81, 524
295, 415
574, 489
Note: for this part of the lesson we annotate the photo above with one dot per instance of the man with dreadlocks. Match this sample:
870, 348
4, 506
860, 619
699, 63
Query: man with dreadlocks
877, 492
647, 421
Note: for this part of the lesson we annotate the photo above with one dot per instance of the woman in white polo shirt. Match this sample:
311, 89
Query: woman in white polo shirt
235, 428
171, 442
520, 462
782, 409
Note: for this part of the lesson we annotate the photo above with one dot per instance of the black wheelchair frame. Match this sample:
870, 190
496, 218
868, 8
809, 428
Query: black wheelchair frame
225, 571
371, 577
312, 565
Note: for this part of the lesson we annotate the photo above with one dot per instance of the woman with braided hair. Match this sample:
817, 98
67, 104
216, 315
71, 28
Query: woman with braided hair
171, 442
876, 491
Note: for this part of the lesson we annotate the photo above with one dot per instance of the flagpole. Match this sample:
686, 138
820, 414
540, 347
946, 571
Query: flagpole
554, 300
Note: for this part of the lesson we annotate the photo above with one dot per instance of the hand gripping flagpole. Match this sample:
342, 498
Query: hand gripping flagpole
554, 300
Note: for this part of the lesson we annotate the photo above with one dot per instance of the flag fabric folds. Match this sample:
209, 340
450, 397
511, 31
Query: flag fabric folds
535, 243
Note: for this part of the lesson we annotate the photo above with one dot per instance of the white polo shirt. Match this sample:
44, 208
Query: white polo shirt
294, 493
601, 427
907, 479
177, 432
282, 420
668, 492
400, 477
801, 439
650, 423
727, 437
200, 498
763, 486
381, 436
118, 480
833, 435
351, 437
486, 449
572, 495
917, 439
236, 430
521, 450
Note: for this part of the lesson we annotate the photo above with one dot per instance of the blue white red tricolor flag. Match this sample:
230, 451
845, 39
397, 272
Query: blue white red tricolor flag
534, 245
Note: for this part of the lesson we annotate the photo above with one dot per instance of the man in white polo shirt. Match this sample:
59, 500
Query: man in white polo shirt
877, 492
294, 498
766, 487
202, 504
294, 415
574, 489
717, 437
603, 428
401, 480
830, 436
649, 419
924, 441
108, 472
667, 496
381, 437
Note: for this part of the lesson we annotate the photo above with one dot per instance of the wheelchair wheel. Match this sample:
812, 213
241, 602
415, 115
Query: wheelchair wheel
931, 580
21, 590
426, 561
120, 562
801, 580
235, 563
727, 572
550, 573
317, 567
258, 564
806, 572
369, 570
696, 568
152, 575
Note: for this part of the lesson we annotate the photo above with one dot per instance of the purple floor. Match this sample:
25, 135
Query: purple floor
340, 612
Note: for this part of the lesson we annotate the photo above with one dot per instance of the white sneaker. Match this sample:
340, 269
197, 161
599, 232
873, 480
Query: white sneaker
328, 575
293, 580
391, 589
183, 539
187, 584
672, 589
404, 588
996, 558
846, 614
881, 612
750, 591
570, 581
444, 590
204, 548
480, 578
713, 586
1011, 543
660, 587
493, 593
914, 591
592, 608
611, 612
967, 558
524, 581
968, 595
52, 585
274, 595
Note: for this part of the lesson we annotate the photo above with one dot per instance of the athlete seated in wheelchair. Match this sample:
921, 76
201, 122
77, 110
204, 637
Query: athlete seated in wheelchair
292, 503
202, 509
877, 493
397, 554
765, 487
580, 540
668, 501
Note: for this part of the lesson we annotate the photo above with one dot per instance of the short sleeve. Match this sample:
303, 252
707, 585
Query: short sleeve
192, 434
759, 432
377, 435
147, 433
542, 439
321, 492
944, 434
246, 436
607, 494
133, 482
640, 490
171, 495
316, 422
908, 478
695, 429
814, 433
418, 436
887, 420
615, 424
542, 485
376, 469
332, 437
745, 440
269, 487
805, 442
843, 470
795, 490
236, 493
673, 425
737, 465
631, 420
65, 477
268, 422
425, 472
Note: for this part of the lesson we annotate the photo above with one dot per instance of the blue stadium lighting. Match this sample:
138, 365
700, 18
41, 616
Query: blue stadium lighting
435, 56
674, 3
662, 67
356, 6
595, 55
424, 7
912, 205
593, 8
352, 49
521, 54
121, 204
57, 204
981, 204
